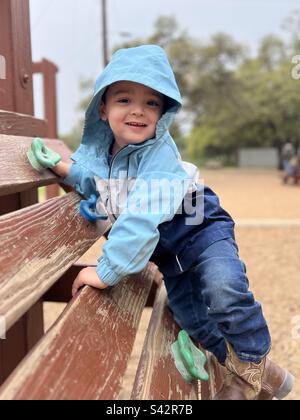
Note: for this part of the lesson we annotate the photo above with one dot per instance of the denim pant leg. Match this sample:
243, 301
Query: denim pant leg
222, 280
191, 313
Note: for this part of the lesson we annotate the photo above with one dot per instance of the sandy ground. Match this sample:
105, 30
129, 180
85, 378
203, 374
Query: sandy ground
257, 194
268, 234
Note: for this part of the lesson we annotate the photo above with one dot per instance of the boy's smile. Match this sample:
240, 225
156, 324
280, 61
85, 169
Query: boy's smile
133, 111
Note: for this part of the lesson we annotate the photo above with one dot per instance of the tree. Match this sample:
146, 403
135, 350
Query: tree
230, 99
272, 52
215, 96
253, 103
292, 26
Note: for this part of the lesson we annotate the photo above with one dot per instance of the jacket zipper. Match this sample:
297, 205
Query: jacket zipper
109, 195
109, 176
177, 259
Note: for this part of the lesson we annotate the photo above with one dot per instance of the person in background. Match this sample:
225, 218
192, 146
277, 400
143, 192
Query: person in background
290, 164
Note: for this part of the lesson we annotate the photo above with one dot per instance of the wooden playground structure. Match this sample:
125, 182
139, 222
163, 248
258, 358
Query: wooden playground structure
85, 353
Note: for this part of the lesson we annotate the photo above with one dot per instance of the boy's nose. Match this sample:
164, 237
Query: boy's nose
137, 111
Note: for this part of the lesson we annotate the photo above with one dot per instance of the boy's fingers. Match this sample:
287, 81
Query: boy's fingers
74, 289
87, 276
76, 285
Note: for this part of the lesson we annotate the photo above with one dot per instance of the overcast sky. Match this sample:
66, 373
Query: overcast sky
68, 32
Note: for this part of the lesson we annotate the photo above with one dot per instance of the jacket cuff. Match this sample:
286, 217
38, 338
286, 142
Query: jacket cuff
73, 177
106, 274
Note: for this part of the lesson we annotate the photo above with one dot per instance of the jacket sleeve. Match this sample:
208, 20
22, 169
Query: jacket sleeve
81, 179
155, 198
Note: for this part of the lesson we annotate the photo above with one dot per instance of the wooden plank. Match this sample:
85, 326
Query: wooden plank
159, 278
16, 201
16, 94
28, 198
216, 377
16, 174
20, 339
34, 324
6, 83
38, 245
48, 70
9, 203
85, 354
61, 291
14, 124
21, 44
13, 348
16, 89
157, 377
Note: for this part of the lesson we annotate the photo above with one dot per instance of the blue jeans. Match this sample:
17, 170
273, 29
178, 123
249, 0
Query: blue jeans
212, 302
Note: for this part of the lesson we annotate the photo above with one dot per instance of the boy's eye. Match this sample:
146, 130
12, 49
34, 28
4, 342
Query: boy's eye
153, 103
123, 100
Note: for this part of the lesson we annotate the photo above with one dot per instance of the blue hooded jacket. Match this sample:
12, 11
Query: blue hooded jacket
173, 236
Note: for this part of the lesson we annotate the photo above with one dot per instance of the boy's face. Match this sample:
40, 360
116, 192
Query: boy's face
133, 111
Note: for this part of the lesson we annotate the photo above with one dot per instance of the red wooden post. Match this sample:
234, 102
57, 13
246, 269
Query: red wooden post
16, 87
16, 94
49, 70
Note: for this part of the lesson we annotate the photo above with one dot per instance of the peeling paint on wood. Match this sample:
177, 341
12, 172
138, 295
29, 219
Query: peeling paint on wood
157, 377
12, 123
56, 242
16, 174
85, 354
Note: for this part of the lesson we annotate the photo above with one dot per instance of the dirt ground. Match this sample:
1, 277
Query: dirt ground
267, 214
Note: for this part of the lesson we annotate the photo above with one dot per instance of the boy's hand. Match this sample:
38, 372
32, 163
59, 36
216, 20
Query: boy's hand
62, 169
88, 276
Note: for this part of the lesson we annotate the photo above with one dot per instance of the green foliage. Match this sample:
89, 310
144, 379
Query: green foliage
244, 101
73, 139
230, 98
202, 139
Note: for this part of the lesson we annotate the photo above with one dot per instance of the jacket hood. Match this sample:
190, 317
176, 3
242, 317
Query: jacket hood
148, 65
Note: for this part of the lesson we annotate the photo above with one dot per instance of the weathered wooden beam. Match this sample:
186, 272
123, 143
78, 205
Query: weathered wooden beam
16, 174
16, 95
24, 334
85, 354
61, 291
16, 89
38, 245
14, 124
157, 377
49, 70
